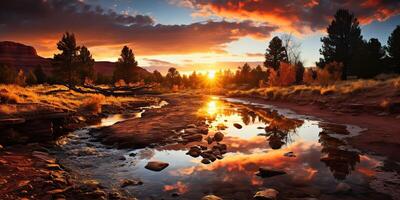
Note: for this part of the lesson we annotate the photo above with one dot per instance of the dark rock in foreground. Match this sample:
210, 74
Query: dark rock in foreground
267, 172
156, 166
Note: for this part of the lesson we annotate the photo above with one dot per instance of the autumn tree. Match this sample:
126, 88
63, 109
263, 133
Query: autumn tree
125, 67
393, 48
65, 63
275, 54
343, 40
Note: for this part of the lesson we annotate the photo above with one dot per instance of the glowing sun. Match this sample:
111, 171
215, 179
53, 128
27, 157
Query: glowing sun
211, 74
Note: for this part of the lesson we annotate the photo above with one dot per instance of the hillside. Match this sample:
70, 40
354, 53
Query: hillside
25, 57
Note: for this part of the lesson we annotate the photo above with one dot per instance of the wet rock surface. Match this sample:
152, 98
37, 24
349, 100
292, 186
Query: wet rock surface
156, 166
267, 194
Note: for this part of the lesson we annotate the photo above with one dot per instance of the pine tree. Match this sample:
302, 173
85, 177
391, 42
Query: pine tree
275, 54
126, 65
343, 40
31, 78
41, 77
393, 48
86, 63
66, 63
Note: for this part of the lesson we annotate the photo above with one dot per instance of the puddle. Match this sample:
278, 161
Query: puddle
323, 162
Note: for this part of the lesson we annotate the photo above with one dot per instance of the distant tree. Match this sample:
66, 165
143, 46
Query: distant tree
31, 78
86, 63
125, 67
244, 75
368, 61
343, 40
157, 77
41, 77
299, 67
258, 75
275, 54
103, 79
393, 48
7, 74
65, 63
173, 77
21, 78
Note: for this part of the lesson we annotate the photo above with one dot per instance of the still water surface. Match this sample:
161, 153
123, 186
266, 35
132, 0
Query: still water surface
323, 162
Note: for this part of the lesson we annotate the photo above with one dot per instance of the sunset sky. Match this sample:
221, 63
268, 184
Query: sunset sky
187, 34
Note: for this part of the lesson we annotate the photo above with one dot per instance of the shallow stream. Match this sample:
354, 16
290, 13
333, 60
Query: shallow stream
314, 155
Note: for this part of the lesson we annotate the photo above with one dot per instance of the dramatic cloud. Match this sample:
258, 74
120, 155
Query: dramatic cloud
295, 15
41, 22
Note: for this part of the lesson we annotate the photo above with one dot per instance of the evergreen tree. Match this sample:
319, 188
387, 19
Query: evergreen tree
157, 77
393, 48
126, 65
7, 74
173, 77
41, 77
66, 63
31, 78
275, 54
299, 72
86, 63
344, 38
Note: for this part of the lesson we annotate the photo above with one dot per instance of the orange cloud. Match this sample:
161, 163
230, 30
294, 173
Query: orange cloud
296, 15
41, 24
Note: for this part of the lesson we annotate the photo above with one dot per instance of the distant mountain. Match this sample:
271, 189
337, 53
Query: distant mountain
25, 57
22, 56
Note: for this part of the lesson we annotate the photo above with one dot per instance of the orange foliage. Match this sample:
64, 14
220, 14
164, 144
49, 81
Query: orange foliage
285, 77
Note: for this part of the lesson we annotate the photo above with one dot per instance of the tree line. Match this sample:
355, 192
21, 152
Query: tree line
345, 54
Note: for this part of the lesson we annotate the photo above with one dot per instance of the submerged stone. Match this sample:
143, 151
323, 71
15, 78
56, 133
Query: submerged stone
211, 197
128, 182
265, 172
218, 137
238, 126
156, 166
267, 194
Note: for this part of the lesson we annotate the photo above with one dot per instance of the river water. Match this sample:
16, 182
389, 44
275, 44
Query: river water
314, 155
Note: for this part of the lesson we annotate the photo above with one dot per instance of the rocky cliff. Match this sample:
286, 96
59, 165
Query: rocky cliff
25, 57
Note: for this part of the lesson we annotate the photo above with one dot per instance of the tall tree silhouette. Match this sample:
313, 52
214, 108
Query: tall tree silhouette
368, 61
344, 37
393, 48
173, 77
126, 65
65, 63
275, 54
86, 63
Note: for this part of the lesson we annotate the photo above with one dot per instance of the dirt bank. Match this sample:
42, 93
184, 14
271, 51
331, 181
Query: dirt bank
158, 126
382, 134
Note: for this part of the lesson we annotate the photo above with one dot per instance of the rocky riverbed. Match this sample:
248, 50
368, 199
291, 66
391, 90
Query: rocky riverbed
206, 148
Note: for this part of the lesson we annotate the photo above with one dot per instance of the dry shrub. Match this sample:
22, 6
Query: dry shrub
93, 104
120, 83
308, 76
285, 77
7, 109
7, 96
330, 74
287, 74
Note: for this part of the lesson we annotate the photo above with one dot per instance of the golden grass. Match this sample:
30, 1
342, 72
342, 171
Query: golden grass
16, 99
339, 88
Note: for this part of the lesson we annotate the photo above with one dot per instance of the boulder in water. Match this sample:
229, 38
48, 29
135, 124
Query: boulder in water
156, 166
267, 194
